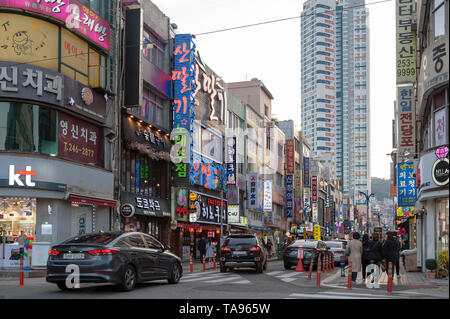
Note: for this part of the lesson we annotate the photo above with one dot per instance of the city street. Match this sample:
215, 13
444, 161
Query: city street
275, 283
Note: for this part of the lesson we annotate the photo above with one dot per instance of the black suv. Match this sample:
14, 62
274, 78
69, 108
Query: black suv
243, 250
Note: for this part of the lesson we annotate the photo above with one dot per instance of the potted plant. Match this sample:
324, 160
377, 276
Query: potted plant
443, 264
431, 265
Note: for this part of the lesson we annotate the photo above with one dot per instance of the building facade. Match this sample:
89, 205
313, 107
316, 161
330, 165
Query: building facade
57, 122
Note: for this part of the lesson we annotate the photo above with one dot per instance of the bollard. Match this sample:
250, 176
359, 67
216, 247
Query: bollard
311, 264
342, 266
319, 266
389, 286
21, 269
204, 264
214, 262
349, 285
191, 265
328, 263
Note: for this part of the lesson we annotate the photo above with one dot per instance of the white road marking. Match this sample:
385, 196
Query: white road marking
225, 279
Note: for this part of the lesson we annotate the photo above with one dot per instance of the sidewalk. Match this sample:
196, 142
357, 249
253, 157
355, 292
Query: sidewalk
413, 282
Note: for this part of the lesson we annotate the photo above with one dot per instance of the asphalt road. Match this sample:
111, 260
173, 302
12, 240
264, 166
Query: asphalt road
274, 283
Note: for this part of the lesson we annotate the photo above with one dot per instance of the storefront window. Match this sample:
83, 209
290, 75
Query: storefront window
442, 225
28, 128
17, 215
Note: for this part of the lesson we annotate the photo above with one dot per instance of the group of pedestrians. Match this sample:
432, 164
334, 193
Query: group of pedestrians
207, 249
374, 250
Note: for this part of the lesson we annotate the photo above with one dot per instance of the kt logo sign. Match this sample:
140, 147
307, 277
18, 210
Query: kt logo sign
14, 176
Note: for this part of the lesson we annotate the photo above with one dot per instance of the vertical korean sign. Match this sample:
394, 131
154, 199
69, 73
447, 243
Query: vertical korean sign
290, 156
289, 196
306, 172
406, 119
252, 189
406, 182
231, 160
406, 41
268, 195
314, 189
184, 87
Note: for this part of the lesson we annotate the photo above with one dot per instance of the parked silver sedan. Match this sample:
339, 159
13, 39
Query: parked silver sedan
338, 248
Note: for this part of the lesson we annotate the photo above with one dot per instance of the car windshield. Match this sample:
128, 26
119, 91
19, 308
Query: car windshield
334, 244
101, 238
240, 241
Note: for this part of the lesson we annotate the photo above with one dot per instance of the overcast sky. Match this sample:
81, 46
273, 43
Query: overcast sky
271, 53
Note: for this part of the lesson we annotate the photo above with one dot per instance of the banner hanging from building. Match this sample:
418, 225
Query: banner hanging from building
406, 41
406, 181
306, 172
268, 195
252, 189
314, 189
406, 119
289, 196
231, 160
290, 156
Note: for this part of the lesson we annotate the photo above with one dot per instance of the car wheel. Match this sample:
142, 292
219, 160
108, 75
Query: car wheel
287, 266
223, 268
129, 279
62, 286
175, 276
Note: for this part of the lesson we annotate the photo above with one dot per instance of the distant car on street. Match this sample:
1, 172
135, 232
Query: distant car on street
312, 250
338, 249
243, 250
122, 258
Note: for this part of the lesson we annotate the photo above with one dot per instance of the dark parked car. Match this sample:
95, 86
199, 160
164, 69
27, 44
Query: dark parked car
243, 250
122, 258
311, 250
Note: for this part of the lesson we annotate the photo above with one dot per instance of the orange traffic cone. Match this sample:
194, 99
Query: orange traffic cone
300, 265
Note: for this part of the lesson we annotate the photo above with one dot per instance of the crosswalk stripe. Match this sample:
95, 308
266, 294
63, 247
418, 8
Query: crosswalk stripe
200, 274
201, 278
288, 275
241, 282
272, 273
359, 294
225, 279
322, 296
288, 279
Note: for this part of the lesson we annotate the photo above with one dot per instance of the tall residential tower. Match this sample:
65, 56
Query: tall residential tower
335, 89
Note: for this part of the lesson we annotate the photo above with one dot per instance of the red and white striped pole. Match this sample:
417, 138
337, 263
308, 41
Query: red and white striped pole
214, 262
204, 264
310, 268
349, 284
389, 286
191, 265
21, 268
319, 267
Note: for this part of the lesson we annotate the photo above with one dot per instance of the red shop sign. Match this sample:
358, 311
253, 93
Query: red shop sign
78, 140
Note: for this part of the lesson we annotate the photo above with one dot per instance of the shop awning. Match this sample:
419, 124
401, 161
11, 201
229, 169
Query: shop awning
92, 201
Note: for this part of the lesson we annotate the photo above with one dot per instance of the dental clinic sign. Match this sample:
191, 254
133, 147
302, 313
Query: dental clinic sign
20, 178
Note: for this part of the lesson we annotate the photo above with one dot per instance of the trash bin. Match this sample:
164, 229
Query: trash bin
410, 259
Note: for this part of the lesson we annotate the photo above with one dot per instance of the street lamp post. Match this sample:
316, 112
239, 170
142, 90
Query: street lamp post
367, 197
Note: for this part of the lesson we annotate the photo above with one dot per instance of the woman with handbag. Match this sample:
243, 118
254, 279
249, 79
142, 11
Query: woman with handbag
355, 256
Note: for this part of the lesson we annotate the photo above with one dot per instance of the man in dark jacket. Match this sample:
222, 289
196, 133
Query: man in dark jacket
375, 254
391, 252
202, 247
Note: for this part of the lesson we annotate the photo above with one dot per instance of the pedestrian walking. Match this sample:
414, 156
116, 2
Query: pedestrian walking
375, 254
391, 252
209, 251
405, 246
202, 248
269, 247
365, 254
355, 256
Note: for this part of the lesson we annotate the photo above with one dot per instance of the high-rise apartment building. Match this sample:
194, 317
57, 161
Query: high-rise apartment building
335, 89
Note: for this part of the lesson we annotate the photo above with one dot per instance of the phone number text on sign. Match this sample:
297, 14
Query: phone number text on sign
79, 140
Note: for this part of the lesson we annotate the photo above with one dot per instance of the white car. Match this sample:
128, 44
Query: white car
338, 248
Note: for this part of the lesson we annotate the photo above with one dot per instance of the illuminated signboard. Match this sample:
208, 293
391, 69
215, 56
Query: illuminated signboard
314, 189
184, 87
289, 196
73, 13
407, 194
306, 172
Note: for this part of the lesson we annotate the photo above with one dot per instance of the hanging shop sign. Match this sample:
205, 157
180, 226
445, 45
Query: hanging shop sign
406, 41
290, 156
406, 119
440, 170
306, 176
289, 196
183, 103
341, 213
406, 182
127, 210
208, 209
314, 189
298, 183
148, 206
75, 15
231, 160
268, 196
252, 190
233, 214
315, 213
317, 235
182, 204
405, 211
78, 140
433, 171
